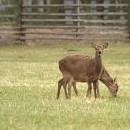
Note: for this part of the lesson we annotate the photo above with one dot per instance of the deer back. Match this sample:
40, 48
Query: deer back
80, 67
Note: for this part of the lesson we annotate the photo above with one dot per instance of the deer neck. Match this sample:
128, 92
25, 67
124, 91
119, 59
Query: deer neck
105, 81
98, 60
106, 78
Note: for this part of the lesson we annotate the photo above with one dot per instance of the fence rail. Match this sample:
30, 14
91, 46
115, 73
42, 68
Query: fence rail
75, 14
75, 5
78, 21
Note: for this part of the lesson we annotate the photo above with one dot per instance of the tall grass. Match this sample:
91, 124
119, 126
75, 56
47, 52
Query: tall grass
28, 86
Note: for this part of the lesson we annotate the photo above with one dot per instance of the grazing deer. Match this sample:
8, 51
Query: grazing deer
81, 68
104, 78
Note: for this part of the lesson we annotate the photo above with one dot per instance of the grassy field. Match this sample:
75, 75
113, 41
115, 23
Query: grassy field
28, 86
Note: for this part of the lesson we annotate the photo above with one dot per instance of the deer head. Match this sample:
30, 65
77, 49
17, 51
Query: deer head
99, 48
113, 87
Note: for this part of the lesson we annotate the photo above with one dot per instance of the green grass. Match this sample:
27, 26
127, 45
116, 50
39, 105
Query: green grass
28, 86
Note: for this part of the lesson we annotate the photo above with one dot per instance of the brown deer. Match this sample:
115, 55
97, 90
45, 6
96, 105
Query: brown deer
81, 68
104, 78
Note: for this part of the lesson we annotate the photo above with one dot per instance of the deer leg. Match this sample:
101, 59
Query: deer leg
60, 84
89, 90
69, 87
98, 92
75, 89
65, 88
69, 90
95, 87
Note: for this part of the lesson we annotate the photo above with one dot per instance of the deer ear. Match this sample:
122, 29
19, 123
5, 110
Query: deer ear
115, 80
105, 45
93, 45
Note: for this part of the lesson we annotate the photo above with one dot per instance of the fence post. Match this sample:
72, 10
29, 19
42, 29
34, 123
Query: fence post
22, 34
78, 19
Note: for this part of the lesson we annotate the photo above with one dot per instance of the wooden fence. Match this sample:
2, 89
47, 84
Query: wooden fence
77, 21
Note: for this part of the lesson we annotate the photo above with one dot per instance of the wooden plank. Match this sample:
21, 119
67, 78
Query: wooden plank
7, 16
75, 5
106, 27
74, 14
7, 23
10, 5
9, 27
51, 20
76, 39
53, 33
62, 27
50, 38
77, 20
118, 21
50, 27
11, 32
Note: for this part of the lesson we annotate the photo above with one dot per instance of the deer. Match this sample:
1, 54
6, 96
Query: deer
105, 79
80, 67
